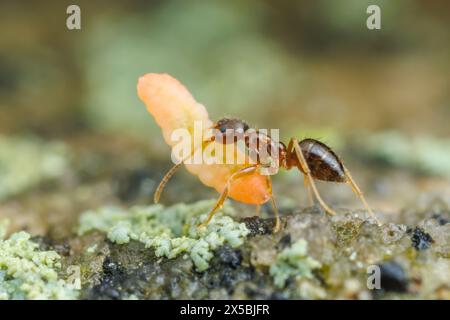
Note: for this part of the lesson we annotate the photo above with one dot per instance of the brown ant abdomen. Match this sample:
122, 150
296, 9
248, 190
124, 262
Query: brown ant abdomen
322, 161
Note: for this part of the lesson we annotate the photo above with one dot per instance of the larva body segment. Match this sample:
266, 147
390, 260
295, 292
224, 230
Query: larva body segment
171, 104
173, 107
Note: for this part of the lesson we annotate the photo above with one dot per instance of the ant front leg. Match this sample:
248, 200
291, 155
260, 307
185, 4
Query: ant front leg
305, 168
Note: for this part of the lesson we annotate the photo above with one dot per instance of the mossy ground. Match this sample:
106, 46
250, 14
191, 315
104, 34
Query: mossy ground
26, 272
313, 257
127, 248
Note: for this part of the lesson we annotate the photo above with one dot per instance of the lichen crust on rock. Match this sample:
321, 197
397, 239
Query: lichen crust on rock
170, 231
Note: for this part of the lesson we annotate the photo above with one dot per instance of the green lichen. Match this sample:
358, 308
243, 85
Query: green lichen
27, 273
169, 231
24, 162
293, 262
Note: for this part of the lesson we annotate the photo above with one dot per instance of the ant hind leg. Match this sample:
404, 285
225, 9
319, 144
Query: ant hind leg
309, 177
308, 189
359, 193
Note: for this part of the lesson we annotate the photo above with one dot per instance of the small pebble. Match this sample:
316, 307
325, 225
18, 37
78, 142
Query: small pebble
420, 239
393, 277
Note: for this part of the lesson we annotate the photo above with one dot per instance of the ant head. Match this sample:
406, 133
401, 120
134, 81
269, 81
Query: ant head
230, 130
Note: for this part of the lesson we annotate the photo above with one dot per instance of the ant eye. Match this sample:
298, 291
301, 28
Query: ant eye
223, 129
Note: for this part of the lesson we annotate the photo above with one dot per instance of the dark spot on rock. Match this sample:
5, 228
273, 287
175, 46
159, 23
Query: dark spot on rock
63, 249
440, 219
230, 256
45, 243
226, 270
277, 296
393, 277
113, 275
284, 242
319, 275
258, 226
111, 269
257, 292
227, 279
420, 239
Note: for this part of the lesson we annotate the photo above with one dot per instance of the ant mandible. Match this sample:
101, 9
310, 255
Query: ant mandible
166, 99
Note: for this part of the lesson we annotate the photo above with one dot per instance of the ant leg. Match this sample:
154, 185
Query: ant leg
359, 193
276, 228
217, 206
308, 188
307, 171
258, 210
225, 191
164, 181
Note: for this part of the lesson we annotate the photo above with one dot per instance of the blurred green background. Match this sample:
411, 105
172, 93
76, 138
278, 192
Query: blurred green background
289, 64
309, 68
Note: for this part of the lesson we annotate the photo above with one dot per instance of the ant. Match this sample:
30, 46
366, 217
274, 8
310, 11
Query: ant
312, 157
166, 99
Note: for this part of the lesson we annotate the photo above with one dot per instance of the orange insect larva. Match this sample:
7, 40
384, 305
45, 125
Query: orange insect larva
173, 107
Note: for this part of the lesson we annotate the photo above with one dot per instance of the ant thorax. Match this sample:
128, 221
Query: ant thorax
266, 151
261, 146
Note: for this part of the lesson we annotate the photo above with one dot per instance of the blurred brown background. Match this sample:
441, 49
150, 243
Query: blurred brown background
284, 64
